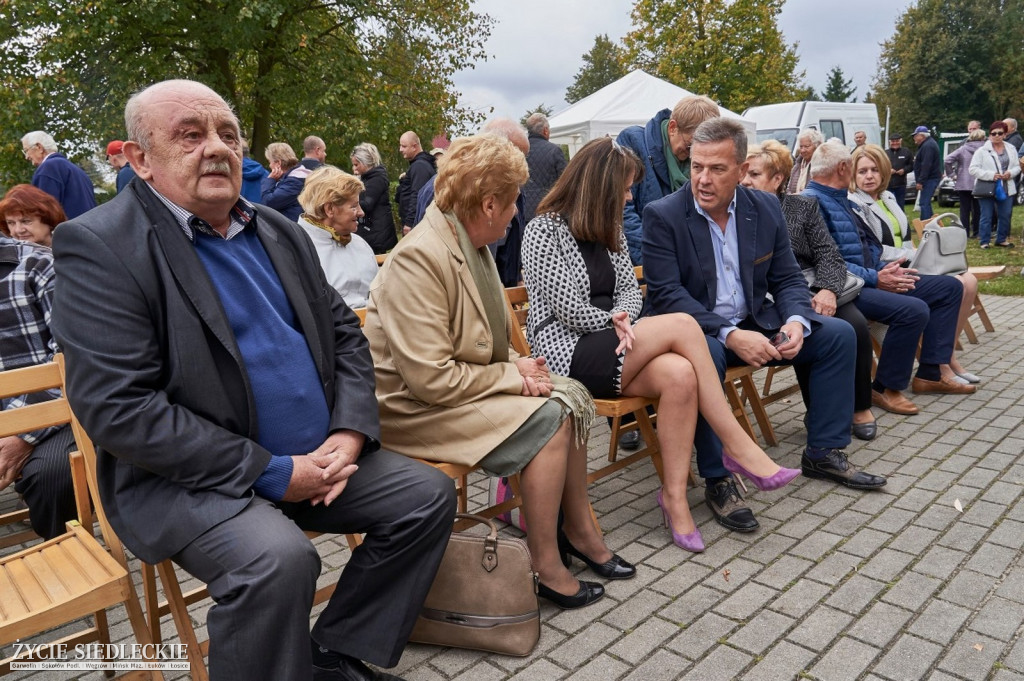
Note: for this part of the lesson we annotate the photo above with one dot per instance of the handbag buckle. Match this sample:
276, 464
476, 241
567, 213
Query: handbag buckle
490, 559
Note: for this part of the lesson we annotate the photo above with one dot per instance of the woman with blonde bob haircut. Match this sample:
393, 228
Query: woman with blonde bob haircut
449, 387
888, 222
330, 201
768, 166
584, 308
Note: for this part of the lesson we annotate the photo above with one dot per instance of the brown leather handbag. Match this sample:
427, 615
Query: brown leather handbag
484, 596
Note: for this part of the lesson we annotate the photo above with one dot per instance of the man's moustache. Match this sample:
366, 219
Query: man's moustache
222, 167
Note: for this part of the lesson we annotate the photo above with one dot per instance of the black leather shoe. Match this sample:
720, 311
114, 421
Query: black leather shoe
630, 441
615, 568
588, 593
727, 506
865, 431
837, 468
351, 669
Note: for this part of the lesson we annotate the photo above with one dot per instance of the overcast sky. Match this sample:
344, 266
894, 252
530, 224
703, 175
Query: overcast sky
536, 46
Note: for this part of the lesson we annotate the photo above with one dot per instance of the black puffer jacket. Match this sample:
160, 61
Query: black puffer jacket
377, 226
422, 167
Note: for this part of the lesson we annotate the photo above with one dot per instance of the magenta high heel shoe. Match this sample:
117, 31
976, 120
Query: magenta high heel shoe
691, 542
780, 478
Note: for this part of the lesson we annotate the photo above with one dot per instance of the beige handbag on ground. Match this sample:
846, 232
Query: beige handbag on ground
484, 596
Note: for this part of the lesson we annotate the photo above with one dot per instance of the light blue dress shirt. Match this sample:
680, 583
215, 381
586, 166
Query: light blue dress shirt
730, 302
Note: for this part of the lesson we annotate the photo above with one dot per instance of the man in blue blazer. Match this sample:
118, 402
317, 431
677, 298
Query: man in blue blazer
721, 253
230, 394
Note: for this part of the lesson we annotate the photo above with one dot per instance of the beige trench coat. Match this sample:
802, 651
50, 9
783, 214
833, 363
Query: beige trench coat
440, 398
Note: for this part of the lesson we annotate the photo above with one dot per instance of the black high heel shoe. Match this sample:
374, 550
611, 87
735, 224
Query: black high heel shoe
588, 593
615, 568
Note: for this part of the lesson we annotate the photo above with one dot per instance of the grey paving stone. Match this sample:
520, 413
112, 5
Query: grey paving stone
938, 517
991, 560
679, 579
661, 666
915, 499
855, 594
600, 668
761, 632
983, 513
1002, 492
691, 605
886, 564
817, 545
1007, 675
571, 621
911, 590
800, 526
701, 635
638, 644
540, 670
909, 658
634, 610
481, 671
879, 624
846, 660
747, 600
820, 628
915, 539
584, 645
964, 658
940, 562
834, 568
784, 661
865, 542
1015, 659
967, 588
1009, 533
962, 537
783, 571
721, 664
999, 618
800, 598
940, 621
732, 575
768, 548
1012, 587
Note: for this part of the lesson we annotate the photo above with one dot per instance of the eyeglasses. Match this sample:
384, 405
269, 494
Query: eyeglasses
27, 149
997, 133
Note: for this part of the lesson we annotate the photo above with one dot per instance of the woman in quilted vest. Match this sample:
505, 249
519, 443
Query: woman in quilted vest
887, 219
584, 319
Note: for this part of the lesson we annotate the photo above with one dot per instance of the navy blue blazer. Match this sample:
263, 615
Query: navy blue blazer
679, 261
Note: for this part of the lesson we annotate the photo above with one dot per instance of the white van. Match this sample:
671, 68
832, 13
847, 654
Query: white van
834, 119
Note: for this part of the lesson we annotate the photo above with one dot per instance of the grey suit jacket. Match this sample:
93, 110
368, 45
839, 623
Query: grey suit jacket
155, 374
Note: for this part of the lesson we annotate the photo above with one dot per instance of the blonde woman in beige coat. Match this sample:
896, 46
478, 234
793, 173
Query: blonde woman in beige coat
449, 387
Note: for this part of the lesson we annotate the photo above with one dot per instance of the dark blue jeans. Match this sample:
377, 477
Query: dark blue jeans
1004, 209
930, 309
829, 355
928, 188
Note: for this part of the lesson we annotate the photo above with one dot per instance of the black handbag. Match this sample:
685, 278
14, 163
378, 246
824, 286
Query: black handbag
484, 596
984, 189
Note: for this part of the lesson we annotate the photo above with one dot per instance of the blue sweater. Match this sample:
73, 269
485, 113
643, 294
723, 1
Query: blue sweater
291, 408
66, 182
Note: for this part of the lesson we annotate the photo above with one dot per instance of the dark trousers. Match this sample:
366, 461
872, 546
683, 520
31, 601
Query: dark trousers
862, 366
900, 193
970, 212
930, 309
47, 486
828, 356
262, 570
928, 188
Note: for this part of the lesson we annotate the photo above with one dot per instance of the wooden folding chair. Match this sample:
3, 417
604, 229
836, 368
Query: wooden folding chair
71, 576
21, 533
517, 303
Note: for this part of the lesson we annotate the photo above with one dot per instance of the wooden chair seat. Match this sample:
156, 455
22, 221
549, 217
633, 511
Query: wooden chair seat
71, 576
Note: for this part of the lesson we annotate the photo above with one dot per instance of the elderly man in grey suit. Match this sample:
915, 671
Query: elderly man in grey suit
230, 393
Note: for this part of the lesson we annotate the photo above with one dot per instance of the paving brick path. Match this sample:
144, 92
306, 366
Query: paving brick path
837, 584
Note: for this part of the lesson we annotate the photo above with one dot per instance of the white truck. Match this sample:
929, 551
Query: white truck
834, 119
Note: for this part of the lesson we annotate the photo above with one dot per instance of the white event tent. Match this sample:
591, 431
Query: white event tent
631, 100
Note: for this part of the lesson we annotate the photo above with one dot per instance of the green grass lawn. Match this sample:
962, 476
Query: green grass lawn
1011, 283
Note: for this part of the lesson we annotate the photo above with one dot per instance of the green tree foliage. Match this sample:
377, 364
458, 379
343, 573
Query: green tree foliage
540, 108
838, 88
731, 50
942, 65
602, 65
346, 70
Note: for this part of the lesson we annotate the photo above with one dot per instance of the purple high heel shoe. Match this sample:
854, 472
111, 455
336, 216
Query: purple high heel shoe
691, 542
780, 478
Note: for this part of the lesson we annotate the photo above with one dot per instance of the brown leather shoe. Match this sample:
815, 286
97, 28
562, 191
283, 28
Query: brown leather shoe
894, 402
943, 385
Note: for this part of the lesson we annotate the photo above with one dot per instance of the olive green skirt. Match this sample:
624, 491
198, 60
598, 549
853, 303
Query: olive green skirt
512, 455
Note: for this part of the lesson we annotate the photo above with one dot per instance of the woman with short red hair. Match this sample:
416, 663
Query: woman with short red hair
30, 214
